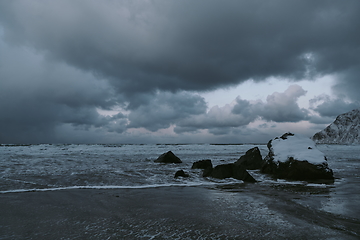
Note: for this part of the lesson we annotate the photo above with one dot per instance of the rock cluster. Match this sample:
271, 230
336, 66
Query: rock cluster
290, 156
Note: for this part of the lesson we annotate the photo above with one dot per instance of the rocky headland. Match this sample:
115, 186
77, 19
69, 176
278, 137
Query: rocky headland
344, 130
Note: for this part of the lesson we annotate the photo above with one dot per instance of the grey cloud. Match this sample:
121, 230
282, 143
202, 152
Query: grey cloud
321, 120
118, 126
266, 125
279, 107
164, 109
215, 119
283, 107
331, 107
248, 135
348, 84
173, 45
242, 107
220, 131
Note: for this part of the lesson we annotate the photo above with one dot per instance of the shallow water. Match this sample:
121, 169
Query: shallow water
137, 198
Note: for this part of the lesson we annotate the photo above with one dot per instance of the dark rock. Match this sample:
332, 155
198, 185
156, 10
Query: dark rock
181, 173
300, 171
222, 171
207, 172
251, 160
230, 170
285, 135
168, 157
202, 164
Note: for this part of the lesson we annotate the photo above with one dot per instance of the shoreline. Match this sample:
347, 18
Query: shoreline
158, 213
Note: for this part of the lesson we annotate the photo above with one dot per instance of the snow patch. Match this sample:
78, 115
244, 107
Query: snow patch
297, 147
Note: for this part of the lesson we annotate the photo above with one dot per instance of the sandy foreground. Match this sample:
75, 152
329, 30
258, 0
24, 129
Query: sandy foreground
165, 213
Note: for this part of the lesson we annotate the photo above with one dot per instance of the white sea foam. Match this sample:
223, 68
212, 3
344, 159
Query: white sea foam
318, 185
204, 184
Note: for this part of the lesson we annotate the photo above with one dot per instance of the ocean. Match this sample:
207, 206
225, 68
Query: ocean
117, 191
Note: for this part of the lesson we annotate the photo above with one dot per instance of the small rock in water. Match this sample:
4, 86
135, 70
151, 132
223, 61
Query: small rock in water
168, 157
230, 170
202, 164
181, 173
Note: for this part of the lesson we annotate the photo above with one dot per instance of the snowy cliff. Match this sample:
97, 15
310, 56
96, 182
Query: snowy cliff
344, 130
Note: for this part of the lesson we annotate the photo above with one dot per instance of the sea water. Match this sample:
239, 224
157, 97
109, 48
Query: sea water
41, 167
272, 202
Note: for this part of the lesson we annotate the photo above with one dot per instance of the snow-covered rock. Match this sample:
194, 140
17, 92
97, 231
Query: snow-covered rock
296, 157
344, 130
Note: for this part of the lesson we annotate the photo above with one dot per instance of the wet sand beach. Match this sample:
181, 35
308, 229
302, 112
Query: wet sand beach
231, 212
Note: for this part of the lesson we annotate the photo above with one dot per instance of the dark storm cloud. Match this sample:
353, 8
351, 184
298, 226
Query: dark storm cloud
165, 109
36, 96
348, 84
39, 100
71, 58
171, 45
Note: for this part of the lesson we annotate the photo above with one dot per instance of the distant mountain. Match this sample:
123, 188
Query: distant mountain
344, 130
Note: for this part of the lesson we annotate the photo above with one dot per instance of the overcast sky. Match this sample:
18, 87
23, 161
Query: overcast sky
163, 71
